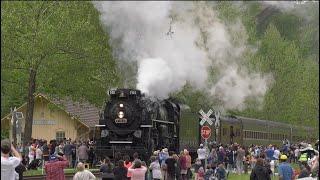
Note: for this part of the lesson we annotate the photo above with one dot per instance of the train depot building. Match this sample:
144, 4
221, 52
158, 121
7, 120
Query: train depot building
55, 119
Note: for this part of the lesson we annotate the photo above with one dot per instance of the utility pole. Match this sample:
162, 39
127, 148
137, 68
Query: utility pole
14, 125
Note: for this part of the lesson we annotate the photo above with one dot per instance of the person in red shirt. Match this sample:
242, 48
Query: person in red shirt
183, 165
128, 164
54, 168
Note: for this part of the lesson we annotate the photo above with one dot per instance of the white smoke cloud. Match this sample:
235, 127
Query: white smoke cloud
139, 32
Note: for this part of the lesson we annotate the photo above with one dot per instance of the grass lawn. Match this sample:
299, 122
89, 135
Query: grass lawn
246, 177
39, 172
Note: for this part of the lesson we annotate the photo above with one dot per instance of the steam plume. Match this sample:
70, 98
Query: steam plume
175, 43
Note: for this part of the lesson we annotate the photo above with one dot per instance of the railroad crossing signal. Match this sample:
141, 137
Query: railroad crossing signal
206, 117
205, 132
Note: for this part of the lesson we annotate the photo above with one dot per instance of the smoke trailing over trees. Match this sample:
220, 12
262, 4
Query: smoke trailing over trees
198, 42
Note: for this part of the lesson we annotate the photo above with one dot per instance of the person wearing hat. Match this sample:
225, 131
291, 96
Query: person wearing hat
284, 169
54, 168
202, 153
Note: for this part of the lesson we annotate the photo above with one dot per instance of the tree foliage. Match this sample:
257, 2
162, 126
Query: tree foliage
65, 46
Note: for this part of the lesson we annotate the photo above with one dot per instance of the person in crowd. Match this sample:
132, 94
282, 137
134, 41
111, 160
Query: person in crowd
246, 163
183, 165
221, 172
259, 172
163, 155
200, 174
127, 164
240, 160
91, 156
177, 166
138, 171
8, 164
170, 167
32, 151
59, 149
188, 163
230, 160
117, 155
209, 173
144, 164
67, 150
20, 169
45, 150
73, 154
120, 172
82, 173
202, 153
269, 153
107, 169
135, 157
52, 146
221, 155
155, 168
305, 170
39, 154
296, 154
197, 166
213, 157
83, 153
54, 168
284, 169
315, 167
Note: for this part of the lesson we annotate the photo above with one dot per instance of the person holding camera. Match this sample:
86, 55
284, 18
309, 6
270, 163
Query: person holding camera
9, 163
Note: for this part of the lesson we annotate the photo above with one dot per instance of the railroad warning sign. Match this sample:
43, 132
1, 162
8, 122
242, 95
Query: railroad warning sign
205, 132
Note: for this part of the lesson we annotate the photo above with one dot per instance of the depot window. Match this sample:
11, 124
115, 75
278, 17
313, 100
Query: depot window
60, 135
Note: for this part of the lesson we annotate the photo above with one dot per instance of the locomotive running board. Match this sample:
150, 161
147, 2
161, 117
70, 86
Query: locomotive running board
120, 142
146, 125
161, 121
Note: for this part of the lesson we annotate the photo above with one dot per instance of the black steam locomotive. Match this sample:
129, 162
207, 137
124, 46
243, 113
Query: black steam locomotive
132, 123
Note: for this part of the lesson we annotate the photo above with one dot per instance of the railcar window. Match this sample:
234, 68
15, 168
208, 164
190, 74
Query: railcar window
237, 132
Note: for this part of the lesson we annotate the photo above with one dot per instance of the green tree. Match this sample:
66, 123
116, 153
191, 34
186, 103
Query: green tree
58, 46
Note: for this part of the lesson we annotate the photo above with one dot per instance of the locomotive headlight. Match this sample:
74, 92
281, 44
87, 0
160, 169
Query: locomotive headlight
137, 134
121, 105
120, 114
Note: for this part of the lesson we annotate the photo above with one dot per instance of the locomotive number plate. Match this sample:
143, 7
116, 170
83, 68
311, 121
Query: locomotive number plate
120, 120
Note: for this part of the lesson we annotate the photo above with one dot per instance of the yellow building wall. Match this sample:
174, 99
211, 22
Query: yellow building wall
44, 113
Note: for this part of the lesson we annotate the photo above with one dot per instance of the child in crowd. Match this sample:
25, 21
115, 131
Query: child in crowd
197, 166
200, 174
221, 172
209, 173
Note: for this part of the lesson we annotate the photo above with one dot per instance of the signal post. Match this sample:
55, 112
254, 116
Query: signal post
206, 130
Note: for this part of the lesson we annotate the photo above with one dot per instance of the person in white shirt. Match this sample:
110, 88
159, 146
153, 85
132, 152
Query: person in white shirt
8, 164
83, 173
296, 154
202, 154
38, 153
276, 153
155, 167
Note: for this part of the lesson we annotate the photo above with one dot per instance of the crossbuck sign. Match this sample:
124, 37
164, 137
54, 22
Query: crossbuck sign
206, 117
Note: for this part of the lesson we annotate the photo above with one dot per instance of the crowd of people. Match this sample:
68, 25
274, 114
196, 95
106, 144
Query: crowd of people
216, 161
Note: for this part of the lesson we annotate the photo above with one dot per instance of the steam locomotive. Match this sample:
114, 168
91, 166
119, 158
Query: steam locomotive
132, 123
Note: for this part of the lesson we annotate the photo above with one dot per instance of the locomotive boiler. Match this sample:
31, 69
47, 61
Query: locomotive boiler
131, 122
